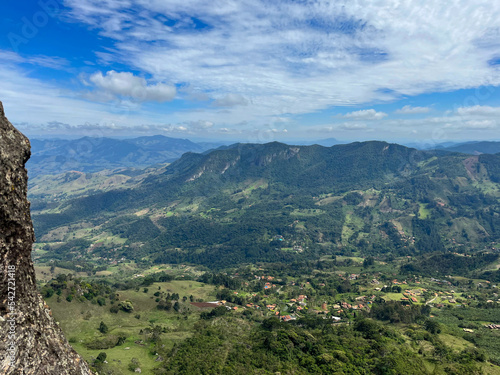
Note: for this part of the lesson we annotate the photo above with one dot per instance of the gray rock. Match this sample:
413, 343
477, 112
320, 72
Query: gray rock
30, 340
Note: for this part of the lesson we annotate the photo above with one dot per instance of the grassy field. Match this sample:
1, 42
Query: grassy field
43, 273
456, 343
423, 211
80, 322
352, 224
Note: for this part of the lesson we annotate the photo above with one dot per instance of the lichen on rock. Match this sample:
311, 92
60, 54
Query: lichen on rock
31, 342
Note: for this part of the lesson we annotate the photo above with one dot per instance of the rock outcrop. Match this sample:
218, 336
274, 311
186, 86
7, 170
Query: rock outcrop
31, 342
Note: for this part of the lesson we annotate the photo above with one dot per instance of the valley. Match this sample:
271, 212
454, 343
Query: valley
293, 242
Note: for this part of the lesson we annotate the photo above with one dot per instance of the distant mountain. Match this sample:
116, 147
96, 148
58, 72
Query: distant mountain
422, 145
94, 154
326, 142
212, 145
475, 148
267, 202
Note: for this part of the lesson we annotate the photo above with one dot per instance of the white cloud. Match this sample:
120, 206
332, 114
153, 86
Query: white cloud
231, 100
112, 129
353, 126
479, 110
365, 114
200, 125
8, 56
409, 110
52, 62
301, 57
127, 85
480, 124
263, 60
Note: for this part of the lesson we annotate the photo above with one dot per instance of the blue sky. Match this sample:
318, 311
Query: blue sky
253, 70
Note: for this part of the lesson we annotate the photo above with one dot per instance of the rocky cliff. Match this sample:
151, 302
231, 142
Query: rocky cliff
31, 342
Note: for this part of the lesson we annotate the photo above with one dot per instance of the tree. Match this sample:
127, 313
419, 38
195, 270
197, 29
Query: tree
103, 328
368, 262
432, 326
101, 357
126, 306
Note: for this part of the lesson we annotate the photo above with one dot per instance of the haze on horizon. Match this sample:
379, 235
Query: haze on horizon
253, 71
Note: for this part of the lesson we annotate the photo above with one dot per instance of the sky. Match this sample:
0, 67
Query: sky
253, 70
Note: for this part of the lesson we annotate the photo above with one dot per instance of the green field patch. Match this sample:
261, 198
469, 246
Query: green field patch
352, 224
354, 259
454, 342
104, 273
423, 211
327, 200
80, 321
393, 296
43, 272
259, 184
490, 369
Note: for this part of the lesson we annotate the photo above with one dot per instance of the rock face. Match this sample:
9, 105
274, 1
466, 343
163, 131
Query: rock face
31, 342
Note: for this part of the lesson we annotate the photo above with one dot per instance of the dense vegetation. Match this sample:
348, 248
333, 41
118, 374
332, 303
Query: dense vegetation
245, 335
276, 202
354, 259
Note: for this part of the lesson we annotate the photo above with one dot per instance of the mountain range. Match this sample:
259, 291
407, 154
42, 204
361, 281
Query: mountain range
274, 201
90, 154
475, 148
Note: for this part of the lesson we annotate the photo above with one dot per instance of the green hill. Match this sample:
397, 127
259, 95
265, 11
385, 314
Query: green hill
276, 202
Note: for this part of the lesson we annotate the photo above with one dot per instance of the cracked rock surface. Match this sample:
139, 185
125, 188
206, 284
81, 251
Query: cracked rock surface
30, 340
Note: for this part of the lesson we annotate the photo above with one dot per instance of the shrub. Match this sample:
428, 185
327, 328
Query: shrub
101, 357
126, 306
103, 328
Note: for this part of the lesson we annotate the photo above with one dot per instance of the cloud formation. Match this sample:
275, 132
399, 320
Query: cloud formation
54, 128
126, 84
231, 100
409, 110
52, 62
301, 57
479, 110
353, 126
252, 66
365, 114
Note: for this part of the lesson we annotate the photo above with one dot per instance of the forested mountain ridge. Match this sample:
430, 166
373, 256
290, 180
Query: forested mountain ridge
275, 201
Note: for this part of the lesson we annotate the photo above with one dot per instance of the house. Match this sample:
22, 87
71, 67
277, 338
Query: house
287, 318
